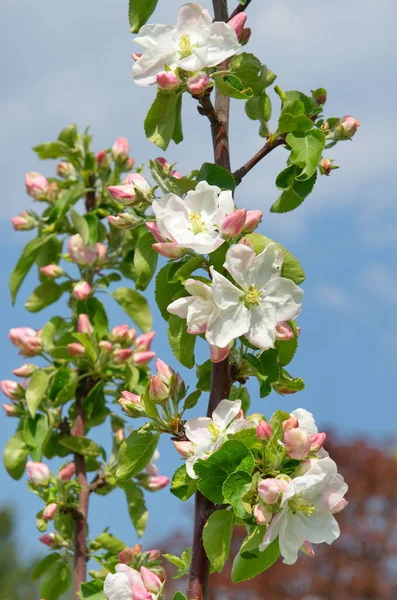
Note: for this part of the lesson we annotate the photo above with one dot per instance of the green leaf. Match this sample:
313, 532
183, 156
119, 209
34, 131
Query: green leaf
57, 580
36, 390
248, 69
95, 405
297, 123
241, 393
15, 454
136, 307
61, 378
139, 11
203, 374
177, 134
145, 261
51, 150
259, 108
286, 349
44, 564
25, 262
68, 391
48, 254
216, 175
186, 268
68, 135
110, 543
247, 568
235, 487
79, 445
266, 368
183, 564
135, 453
253, 539
217, 537
159, 123
97, 314
191, 400
295, 191
136, 506
179, 595
165, 289
183, 486
286, 384
35, 433
276, 422
80, 225
92, 590
213, 472
89, 347
306, 149
182, 343
93, 224
68, 198
44, 295
232, 86
291, 269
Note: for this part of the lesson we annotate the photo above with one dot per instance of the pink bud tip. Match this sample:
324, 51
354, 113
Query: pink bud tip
307, 548
151, 582
246, 242
38, 473
262, 514
297, 443
84, 325
155, 231
11, 389
290, 423
263, 431
253, 218
36, 185
122, 355
141, 358
82, 290
52, 271
144, 341
67, 472
167, 80
237, 23
157, 482
75, 349
11, 410
185, 449
120, 149
49, 511
198, 83
102, 159
129, 398
106, 346
136, 56
217, 354
317, 441
175, 174
164, 371
48, 539
158, 390
163, 162
269, 490
284, 332
169, 249
232, 225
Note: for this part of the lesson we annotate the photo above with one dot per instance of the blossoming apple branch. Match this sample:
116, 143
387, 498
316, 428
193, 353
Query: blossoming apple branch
221, 281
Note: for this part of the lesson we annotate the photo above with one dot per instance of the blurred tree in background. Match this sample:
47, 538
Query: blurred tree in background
361, 565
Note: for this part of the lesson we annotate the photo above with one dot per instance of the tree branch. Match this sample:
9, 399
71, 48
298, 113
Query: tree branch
270, 145
240, 8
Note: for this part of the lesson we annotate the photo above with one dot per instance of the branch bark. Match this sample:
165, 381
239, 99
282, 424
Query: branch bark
240, 8
267, 148
220, 376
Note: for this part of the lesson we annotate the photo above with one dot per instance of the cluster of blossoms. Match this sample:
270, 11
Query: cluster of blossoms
184, 57
129, 584
296, 496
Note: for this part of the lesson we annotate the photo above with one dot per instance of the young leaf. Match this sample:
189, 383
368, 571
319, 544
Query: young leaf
232, 86
248, 69
36, 390
181, 342
43, 295
36, 433
80, 225
68, 135
83, 446
110, 543
57, 580
291, 269
235, 487
15, 454
136, 506
92, 590
145, 261
136, 307
25, 262
191, 400
177, 134
51, 150
295, 191
166, 289
160, 121
217, 537
135, 453
139, 12
306, 149
250, 564
44, 564
216, 175
67, 199
97, 314
183, 486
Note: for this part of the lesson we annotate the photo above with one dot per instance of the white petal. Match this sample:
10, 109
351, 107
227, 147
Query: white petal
116, 587
180, 307
320, 527
225, 204
285, 296
133, 576
306, 420
292, 536
222, 44
225, 294
225, 412
226, 325
198, 315
273, 530
198, 288
170, 204
152, 62
197, 430
196, 61
202, 243
262, 329
151, 35
204, 199
194, 20
238, 261
239, 425
265, 266
190, 466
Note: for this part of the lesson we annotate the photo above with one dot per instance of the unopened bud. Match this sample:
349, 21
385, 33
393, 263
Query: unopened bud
38, 473
246, 242
155, 231
325, 166
106, 346
252, 220
297, 443
166, 80
79, 252
67, 472
75, 349
290, 423
151, 582
163, 162
158, 391
120, 149
307, 548
119, 334
122, 355
198, 83
49, 511
23, 222
217, 354
82, 290
245, 36
317, 441
144, 341
84, 325
129, 164
141, 358
349, 125
66, 170
52, 271
157, 482
102, 160
25, 371
124, 221
48, 539
284, 332
131, 189
164, 371
232, 225
262, 514
11, 410
176, 174
269, 490
153, 555
36, 185
263, 431
237, 23
170, 249
185, 449
12, 389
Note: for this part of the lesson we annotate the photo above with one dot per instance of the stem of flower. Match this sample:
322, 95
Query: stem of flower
270, 145
197, 587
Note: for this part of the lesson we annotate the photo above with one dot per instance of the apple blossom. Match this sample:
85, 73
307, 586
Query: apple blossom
79, 252
23, 222
131, 190
232, 225
84, 324
297, 443
262, 514
290, 423
317, 441
207, 434
151, 581
192, 45
36, 185
67, 472
75, 349
49, 511
284, 332
38, 473
144, 341
27, 340
120, 149
166, 80
269, 490
252, 220
196, 308
141, 358
198, 83
82, 290
12, 389
237, 23
52, 271
125, 584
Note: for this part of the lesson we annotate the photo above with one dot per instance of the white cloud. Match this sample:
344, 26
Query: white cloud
334, 297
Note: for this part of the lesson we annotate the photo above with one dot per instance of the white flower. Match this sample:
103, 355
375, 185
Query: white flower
192, 45
126, 584
263, 299
307, 509
208, 434
195, 221
197, 308
306, 420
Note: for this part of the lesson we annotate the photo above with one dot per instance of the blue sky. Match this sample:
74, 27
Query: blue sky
72, 64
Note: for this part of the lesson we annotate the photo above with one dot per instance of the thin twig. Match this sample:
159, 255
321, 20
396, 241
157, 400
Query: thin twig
240, 8
270, 145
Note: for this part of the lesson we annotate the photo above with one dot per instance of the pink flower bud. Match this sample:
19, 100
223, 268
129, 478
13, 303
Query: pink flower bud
164, 371
122, 355
246, 242
297, 443
12, 389
175, 174
185, 449
290, 423
245, 36
67, 472
129, 398
263, 430
153, 555
52, 271
262, 514
144, 341
233, 224
82, 290
252, 220
150, 580
49, 511
25, 371
136, 56
198, 83
349, 125
307, 548
38, 473
84, 325
120, 149
124, 221
155, 231
127, 192
119, 435
166, 80
163, 162
102, 159
75, 349
101, 252
217, 355
129, 163
237, 23
119, 334
269, 490
157, 482
169, 249
105, 345
36, 185
48, 539
317, 441
66, 170
158, 391
126, 555
325, 166
27, 339
141, 358
23, 222
284, 332
79, 252
139, 593
11, 410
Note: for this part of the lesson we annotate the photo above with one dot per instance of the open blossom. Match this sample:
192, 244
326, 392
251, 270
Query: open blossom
263, 299
194, 222
307, 505
192, 45
130, 190
196, 308
27, 340
129, 584
208, 434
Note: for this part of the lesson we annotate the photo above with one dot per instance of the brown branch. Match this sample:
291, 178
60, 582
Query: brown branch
270, 145
240, 9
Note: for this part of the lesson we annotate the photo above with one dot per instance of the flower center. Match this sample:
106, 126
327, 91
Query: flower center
185, 46
253, 296
299, 504
214, 431
197, 222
